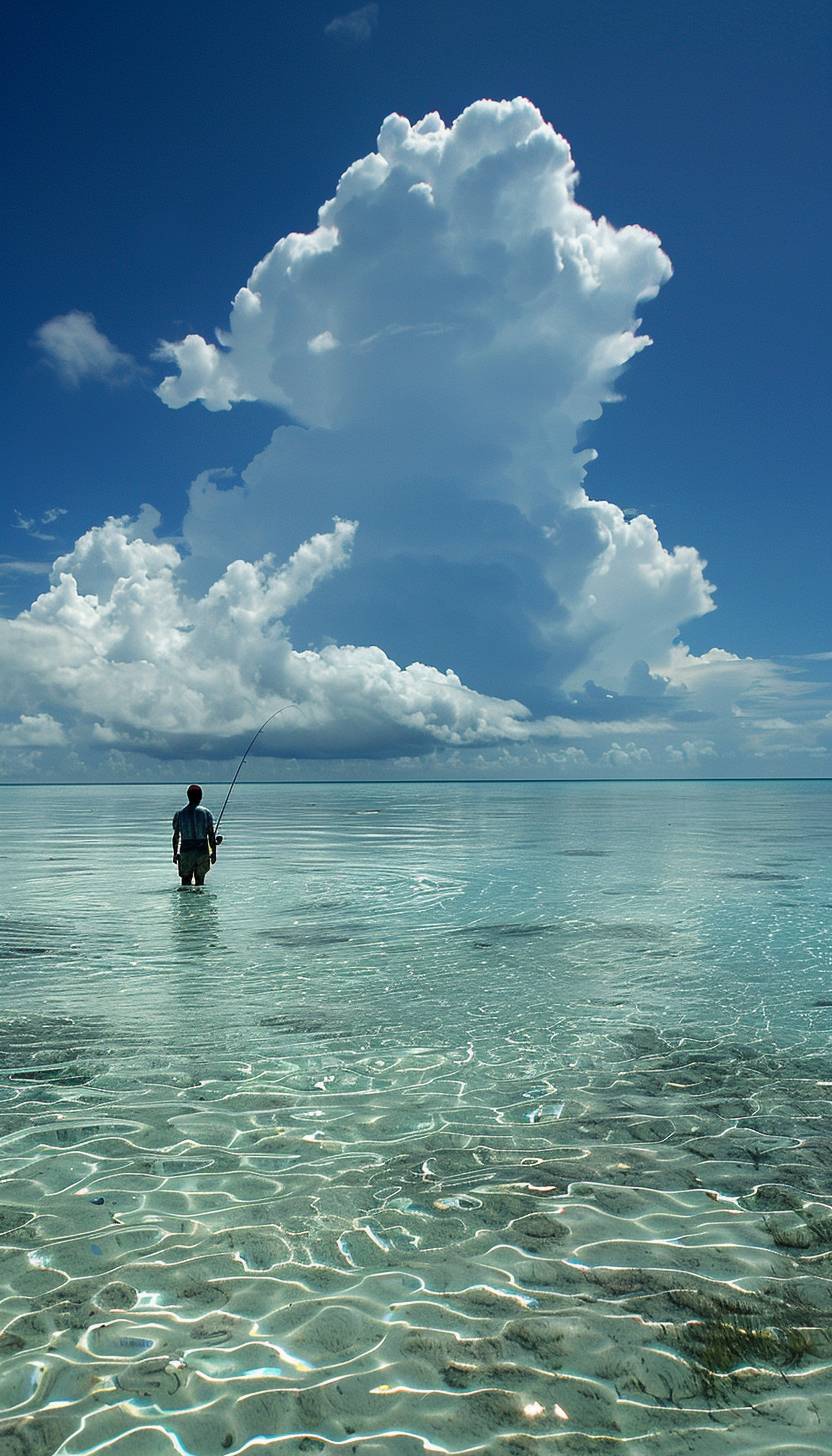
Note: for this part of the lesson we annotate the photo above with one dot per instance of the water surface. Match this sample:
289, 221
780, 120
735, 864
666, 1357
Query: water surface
463, 1118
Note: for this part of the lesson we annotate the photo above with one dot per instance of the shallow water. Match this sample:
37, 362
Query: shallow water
465, 1118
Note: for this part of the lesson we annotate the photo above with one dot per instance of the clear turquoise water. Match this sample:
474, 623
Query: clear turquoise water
466, 1118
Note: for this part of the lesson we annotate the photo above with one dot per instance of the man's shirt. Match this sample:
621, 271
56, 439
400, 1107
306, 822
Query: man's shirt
193, 824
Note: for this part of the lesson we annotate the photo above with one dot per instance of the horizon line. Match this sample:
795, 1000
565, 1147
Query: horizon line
288, 783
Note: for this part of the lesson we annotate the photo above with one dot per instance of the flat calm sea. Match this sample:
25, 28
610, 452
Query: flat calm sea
448, 1117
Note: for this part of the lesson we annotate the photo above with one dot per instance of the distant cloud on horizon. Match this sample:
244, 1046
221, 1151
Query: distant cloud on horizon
73, 345
356, 26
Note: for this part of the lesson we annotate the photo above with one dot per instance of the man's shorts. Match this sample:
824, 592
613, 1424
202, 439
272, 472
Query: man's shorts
194, 861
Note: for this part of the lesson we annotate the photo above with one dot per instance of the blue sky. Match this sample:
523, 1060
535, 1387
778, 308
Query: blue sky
157, 153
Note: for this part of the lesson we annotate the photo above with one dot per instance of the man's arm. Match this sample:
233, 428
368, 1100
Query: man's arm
212, 839
175, 841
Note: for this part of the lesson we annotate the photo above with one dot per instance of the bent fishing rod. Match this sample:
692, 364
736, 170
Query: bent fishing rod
270, 719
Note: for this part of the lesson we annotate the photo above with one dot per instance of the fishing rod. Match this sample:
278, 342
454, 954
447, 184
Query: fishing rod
270, 718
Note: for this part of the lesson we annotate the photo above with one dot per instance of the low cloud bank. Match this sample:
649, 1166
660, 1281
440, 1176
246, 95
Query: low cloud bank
150, 669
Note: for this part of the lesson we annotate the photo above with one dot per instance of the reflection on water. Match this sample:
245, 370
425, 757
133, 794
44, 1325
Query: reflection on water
457, 1117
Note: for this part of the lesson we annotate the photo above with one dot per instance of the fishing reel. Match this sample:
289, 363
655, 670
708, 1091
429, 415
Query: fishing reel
218, 839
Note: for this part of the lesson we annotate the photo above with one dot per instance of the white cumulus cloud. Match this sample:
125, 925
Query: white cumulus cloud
439, 341
441, 336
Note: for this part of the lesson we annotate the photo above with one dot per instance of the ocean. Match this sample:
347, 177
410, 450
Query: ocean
449, 1117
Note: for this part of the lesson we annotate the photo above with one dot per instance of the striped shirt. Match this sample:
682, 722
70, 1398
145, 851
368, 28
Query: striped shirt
193, 825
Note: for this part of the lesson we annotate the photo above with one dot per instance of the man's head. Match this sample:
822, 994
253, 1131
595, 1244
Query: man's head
194, 793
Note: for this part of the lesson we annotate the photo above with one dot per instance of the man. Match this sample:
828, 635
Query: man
194, 840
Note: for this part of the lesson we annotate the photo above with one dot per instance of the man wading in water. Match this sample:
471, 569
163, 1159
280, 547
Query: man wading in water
194, 840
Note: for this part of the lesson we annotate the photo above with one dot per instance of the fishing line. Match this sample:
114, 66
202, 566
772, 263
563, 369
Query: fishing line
270, 718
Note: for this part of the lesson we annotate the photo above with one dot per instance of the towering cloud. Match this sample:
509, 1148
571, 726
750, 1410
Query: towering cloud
440, 338
438, 341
